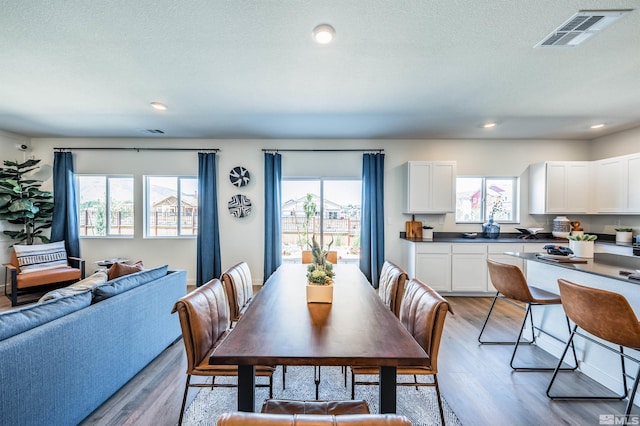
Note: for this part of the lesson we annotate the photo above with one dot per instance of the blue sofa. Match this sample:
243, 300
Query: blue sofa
70, 354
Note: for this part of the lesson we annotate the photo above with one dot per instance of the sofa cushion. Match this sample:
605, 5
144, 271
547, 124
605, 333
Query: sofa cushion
120, 269
20, 320
89, 283
39, 257
127, 282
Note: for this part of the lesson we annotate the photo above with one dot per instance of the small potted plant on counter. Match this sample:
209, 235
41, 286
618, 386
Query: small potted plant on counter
582, 245
427, 232
624, 235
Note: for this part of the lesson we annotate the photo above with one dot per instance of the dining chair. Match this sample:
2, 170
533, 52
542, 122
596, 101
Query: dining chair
608, 316
204, 319
307, 257
512, 287
288, 406
391, 286
243, 419
422, 312
239, 287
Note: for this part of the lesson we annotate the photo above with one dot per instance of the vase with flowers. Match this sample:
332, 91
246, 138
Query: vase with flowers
319, 275
491, 229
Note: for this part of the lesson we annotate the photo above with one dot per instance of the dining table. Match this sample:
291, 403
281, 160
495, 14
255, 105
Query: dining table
280, 328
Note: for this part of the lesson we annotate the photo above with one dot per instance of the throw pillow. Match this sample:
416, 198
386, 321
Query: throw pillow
128, 282
39, 257
120, 269
88, 283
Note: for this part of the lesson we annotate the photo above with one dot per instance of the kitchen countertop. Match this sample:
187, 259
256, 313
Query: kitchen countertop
603, 264
507, 237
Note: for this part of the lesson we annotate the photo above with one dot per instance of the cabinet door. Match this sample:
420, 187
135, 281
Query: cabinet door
418, 179
434, 269
556, 188
567, 187
443, 195
633, 184
429, 187
610, 186
469, 272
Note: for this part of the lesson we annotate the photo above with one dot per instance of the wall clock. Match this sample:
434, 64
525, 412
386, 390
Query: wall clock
239, 206
239, 176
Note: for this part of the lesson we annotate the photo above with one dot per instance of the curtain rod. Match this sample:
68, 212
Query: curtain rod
322, 150
136, 149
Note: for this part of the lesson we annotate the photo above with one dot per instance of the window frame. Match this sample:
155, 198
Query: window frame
483, 210
147, 209
78, 176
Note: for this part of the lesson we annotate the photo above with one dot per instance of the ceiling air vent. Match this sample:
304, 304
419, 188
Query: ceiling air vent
153, 131
580, 27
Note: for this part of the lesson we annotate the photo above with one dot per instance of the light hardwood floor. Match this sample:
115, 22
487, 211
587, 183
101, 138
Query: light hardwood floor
475, 380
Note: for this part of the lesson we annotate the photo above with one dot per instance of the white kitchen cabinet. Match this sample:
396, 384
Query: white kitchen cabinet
429, 187
430, 263
617, 189
559, 187
496, 252
469, 268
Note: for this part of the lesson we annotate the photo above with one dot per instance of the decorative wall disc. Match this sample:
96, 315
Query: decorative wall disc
239, 176
239, 206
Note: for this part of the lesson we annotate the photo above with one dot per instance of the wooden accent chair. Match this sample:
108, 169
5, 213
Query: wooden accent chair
239, 287
261, 419
204, 319
332, 256
23, 282
512, 286
391, 286
607, 316
422, 312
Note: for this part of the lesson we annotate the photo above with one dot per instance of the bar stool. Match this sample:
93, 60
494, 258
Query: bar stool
512, 287
608, 316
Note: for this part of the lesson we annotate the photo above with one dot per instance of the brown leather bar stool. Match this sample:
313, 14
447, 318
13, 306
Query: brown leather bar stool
512, 287
608, 316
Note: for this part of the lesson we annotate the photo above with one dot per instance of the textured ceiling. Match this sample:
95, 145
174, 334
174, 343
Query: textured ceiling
249, 69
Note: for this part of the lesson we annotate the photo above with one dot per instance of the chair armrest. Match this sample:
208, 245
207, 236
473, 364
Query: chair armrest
10, 267
77, 262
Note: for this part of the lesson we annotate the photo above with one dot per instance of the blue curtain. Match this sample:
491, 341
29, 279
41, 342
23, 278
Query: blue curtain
64, 225
208, 253
372, 219
272, 211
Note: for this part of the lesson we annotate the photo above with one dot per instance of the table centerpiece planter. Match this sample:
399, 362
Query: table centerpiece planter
582, 245
319, 275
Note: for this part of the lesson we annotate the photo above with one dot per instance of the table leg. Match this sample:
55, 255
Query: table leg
246, 388
387, 389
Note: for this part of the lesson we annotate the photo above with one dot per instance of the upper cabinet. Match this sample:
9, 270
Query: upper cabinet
616, 185
429, 187
559, 187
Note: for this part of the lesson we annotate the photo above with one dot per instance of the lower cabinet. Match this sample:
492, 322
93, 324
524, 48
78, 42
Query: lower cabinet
433, 266
469, 268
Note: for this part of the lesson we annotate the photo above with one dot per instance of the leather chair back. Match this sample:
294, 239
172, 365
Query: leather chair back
259, 419
307, 257
423, 312
509, 281
239, 286
204, 318
391, 286
603, 313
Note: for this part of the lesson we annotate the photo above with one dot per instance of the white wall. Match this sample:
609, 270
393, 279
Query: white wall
622, 143
242, 239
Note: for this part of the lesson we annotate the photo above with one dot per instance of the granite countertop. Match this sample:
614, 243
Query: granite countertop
603, 264
507, 237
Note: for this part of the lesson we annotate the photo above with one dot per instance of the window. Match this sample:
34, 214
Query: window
105, 205
477, 198
326, 208
171, 206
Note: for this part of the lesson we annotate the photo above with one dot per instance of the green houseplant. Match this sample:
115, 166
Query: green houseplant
319, 272
23, 203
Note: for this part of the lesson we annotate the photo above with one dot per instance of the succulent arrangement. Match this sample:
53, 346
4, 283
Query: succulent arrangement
320, 271
624, 229
583, 237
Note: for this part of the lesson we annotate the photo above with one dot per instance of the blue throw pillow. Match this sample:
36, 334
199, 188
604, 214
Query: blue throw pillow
128, 282
23, 319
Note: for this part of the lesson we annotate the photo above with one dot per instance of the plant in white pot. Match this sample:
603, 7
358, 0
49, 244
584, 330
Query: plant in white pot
582, 245
427, 232
319, 275
624, 235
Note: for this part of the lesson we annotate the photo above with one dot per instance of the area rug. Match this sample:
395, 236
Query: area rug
420, 405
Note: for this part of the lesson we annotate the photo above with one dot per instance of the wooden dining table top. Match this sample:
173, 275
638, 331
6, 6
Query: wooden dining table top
281, 328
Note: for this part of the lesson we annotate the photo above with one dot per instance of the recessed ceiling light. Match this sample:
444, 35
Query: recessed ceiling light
598, 126
489, 125
159, 106
323, 33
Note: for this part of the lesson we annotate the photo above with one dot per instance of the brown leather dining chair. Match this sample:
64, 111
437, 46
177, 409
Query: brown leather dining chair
512, 287
422, 312
607, 316
260, 419
391, 286
204, 319
239, 287
307, 257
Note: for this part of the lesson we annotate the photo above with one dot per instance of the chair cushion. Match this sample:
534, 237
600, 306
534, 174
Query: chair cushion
286, 406
48, 276
89, 283
39, 257
20, 320
128, 282
118, 270
259, 419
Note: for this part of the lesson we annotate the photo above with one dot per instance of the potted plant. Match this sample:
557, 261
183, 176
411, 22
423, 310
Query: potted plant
582, 245
319, 275
624, 235
23, 203
427, 232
